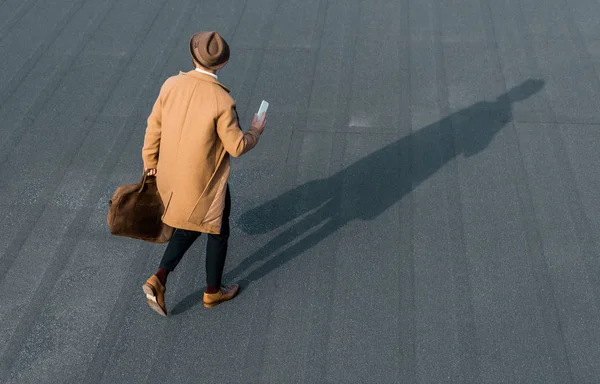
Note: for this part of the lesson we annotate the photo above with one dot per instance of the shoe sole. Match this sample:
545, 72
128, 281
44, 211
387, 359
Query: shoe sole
210, 305
151, 299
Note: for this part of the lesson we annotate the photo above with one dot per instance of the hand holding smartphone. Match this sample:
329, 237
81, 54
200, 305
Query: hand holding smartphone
260, 120
262, 110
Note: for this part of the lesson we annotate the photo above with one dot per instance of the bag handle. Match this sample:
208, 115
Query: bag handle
142, 182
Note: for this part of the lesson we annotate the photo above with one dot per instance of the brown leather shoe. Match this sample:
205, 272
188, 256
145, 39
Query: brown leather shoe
155, 295
226, 292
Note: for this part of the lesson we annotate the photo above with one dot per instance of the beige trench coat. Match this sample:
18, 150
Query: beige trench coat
191, 131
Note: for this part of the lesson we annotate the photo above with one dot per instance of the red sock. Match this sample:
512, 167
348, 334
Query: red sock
210, 289
162, 275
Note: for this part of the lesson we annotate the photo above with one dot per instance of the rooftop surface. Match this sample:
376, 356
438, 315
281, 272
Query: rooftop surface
423, 207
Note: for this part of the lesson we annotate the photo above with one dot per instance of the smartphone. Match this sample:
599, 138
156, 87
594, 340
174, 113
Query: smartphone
262, 110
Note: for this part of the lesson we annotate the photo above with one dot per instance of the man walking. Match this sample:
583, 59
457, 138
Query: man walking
192, 130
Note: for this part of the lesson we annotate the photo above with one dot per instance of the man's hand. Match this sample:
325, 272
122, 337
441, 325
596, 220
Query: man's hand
259, 125
150, 171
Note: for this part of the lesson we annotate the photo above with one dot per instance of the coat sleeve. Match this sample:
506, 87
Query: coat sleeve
235, 141
152, 138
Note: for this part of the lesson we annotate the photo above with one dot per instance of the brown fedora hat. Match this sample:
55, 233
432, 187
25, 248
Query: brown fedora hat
209, 49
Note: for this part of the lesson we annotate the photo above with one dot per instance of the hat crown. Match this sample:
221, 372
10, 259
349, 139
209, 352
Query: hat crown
213, 45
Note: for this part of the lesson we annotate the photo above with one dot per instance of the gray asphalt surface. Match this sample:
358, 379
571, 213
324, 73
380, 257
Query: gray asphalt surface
422, 208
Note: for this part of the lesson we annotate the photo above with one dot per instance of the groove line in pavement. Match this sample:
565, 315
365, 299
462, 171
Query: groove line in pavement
467, 365
39, 51
45, 95
318, 368
406, 322
7, 26
553, 324
160, 367
65, 249
33, 214
105, 349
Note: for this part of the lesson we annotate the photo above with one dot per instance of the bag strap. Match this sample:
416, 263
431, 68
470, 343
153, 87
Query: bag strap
142, 182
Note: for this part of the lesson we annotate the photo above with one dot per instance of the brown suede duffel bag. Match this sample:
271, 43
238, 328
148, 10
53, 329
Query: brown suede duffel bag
135, 211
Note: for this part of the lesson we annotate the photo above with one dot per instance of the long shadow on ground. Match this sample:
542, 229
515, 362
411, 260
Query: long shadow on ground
369, 186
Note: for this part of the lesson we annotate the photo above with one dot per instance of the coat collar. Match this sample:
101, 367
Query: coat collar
204, 77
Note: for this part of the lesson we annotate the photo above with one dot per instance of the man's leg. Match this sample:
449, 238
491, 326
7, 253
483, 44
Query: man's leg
216, 253
216, 250
154, 288
181, 241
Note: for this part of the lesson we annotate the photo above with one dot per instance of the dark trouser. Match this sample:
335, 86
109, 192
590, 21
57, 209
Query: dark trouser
216, 248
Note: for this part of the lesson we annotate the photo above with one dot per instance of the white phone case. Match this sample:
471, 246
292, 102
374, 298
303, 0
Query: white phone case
262, 110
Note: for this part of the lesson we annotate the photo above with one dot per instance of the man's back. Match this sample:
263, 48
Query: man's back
192, 130
191, 105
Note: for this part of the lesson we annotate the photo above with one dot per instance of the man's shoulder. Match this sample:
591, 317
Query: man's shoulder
171, 82
181, 77
203, 79
184, 80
